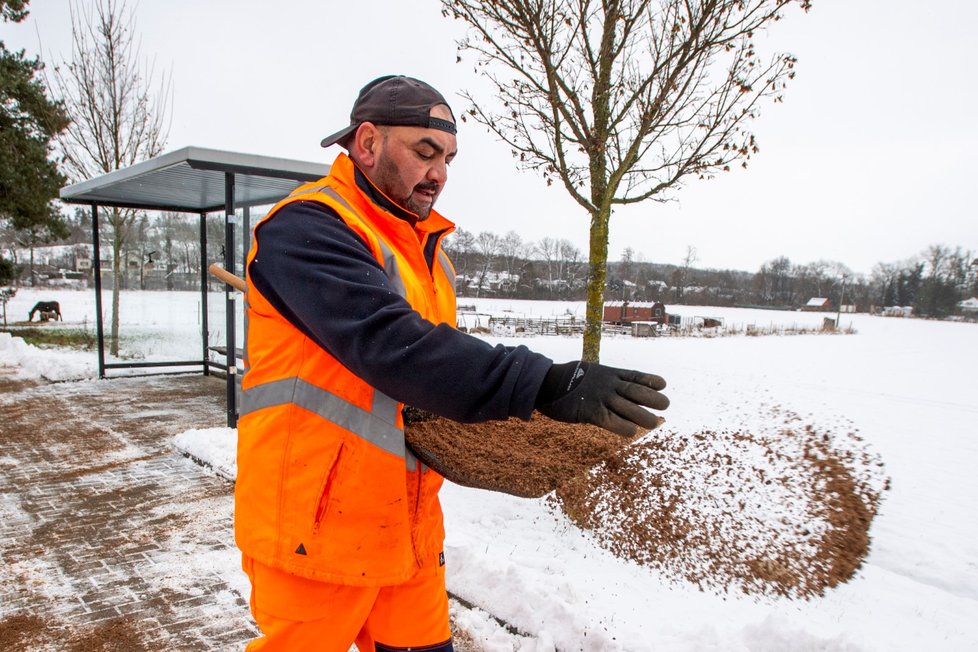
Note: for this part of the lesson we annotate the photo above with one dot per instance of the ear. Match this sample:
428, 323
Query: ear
366, 144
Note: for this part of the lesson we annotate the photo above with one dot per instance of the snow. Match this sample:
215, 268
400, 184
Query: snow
906, 386
735, 509
54, 365
213, 447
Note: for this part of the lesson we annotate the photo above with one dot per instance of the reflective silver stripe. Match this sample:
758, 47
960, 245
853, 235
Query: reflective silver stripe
376, 429
390, 261
298, 192
412, 461
391, 267
326, 190
277, 392
384, 407
446, 265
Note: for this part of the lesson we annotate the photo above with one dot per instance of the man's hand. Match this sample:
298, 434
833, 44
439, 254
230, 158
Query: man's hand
582, 392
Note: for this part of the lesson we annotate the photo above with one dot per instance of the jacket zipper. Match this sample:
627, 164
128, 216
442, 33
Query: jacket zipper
434, 260
415, 531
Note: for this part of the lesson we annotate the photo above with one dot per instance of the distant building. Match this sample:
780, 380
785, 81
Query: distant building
817, 303
898, 311
626, 312
968, 305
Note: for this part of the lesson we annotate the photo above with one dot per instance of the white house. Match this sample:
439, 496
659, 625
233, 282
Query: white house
969, 305
898, 311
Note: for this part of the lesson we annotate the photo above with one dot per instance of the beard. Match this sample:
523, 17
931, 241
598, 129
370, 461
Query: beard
388, 180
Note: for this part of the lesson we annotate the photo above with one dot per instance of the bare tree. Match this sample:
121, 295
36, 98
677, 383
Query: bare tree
684, 274
562, 259
627, 263
818, 273
549, 250
513, 251
570, 266
620, 100
460, 245
487, 245
118, 112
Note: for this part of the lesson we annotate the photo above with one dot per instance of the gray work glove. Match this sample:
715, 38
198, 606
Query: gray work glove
587, 392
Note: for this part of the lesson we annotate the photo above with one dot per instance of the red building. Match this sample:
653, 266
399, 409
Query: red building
626, 312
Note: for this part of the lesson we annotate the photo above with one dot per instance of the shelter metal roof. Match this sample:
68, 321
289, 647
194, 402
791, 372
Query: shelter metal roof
192, 179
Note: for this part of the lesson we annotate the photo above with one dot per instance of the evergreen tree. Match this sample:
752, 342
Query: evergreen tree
8, 271
29, 120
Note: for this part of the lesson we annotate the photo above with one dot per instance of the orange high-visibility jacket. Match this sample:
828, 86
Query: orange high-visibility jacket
326, 488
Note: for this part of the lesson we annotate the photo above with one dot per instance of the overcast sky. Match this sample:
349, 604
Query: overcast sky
869, 159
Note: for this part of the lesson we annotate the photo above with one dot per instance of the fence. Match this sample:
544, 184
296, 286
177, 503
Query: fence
472, 322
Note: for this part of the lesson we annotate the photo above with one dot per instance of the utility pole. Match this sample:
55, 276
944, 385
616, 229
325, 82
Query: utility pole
842, 296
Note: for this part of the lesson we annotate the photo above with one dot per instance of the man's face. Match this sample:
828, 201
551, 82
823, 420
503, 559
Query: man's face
412, 164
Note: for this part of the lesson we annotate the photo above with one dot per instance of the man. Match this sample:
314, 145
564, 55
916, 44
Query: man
351, 307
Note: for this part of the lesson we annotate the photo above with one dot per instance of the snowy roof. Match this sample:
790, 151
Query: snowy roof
192, 179
969, 303
817, 301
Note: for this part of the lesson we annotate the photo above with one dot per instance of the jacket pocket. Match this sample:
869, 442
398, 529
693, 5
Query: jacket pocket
327, 489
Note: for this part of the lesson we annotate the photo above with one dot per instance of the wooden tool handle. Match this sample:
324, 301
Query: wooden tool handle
236, 282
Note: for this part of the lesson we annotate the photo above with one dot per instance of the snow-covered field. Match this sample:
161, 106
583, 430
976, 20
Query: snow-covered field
908, 386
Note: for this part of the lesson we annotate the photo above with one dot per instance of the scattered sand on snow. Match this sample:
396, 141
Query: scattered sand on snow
783, 510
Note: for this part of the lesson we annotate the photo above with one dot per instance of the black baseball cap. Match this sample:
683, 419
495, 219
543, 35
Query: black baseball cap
394, 100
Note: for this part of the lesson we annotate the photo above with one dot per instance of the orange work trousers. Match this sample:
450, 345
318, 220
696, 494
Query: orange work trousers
297, 614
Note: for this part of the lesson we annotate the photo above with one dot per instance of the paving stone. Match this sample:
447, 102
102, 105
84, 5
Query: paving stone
102, 519
105, 525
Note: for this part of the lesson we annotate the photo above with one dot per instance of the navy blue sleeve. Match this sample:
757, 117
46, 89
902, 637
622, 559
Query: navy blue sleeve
322, 277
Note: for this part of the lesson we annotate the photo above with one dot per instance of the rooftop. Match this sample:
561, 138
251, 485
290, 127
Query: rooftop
192, 179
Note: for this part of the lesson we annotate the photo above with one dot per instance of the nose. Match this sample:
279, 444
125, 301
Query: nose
438, 172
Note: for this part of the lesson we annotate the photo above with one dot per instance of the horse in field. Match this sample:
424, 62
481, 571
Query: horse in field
47, 309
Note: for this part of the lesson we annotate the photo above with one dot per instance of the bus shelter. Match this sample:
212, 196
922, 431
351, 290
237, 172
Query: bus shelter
201, 181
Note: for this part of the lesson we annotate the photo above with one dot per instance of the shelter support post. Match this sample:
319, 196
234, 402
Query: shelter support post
229, 308
97, 258
204, 334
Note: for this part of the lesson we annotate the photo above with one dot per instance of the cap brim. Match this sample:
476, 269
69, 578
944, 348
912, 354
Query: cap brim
339, 136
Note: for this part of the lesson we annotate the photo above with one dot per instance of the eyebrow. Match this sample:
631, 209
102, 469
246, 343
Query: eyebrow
435, 146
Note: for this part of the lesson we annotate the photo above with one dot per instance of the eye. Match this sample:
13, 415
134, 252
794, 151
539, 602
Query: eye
425, 155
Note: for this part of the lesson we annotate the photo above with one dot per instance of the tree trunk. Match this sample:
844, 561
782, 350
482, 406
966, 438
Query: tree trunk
482, 277
169, 262
597, 274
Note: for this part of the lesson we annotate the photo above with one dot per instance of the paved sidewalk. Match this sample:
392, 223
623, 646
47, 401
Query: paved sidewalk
112, 540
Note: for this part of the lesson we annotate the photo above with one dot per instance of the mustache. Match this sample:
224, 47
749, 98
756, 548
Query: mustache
429, 186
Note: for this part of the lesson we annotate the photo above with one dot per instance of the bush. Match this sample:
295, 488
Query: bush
8, 271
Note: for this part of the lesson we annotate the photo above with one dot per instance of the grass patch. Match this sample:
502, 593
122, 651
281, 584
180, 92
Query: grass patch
48, 337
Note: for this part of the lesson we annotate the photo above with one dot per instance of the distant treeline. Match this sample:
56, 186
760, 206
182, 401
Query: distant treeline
163, 252
932, 283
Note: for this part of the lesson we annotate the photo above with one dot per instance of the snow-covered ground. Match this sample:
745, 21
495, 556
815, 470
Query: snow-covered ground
908, 386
